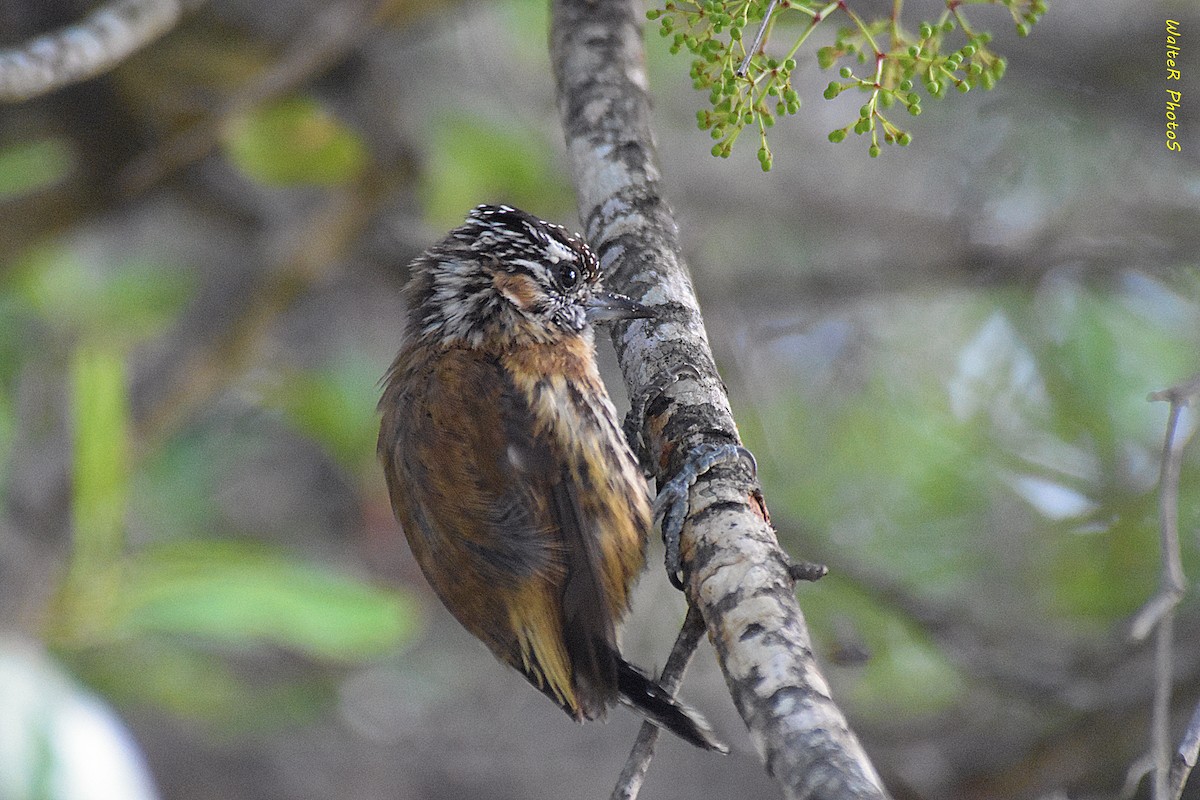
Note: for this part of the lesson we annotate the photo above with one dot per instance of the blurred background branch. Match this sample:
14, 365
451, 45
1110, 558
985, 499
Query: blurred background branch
94, 45
939, 357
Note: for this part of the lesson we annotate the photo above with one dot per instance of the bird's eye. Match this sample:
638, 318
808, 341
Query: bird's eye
568, 277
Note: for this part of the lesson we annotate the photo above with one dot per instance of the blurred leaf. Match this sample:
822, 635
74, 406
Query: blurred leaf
100, 464
191, 682
175, 487
899, 477
236, 593
132, 301
28, 166
527, 21
1100, 356
473, 160
1105, 575
905, 673
295, 141
336, 407
7, 431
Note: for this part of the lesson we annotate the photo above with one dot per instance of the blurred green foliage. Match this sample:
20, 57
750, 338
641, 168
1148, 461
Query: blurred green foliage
101, 463
28, 166
157, 620
1004, 472
335, 407
245, 594
295, 141
474, 160
120, 305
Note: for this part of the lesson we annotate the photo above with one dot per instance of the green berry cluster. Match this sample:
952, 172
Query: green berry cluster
748, 87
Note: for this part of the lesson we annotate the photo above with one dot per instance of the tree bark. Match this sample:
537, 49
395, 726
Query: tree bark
735, 572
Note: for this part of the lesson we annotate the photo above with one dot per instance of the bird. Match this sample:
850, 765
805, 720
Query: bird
506, 467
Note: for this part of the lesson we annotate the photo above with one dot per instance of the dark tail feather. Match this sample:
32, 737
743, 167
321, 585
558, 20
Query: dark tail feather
652, 701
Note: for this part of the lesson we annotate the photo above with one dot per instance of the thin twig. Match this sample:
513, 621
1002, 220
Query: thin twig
638, 763
1159, 613
1185, 756
762, 31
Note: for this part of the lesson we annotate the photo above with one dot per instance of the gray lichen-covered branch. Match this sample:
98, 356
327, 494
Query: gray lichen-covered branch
733, 567
95, 44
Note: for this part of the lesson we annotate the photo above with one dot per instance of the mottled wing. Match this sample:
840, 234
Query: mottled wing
497, 506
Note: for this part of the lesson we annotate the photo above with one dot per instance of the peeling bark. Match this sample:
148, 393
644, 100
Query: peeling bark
734, 570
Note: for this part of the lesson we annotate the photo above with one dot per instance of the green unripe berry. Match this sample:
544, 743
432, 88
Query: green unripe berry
963, 87
926, 30
967, 51
832, 90
793, 107
914, 99
1023, 29
825, 57
654, 13
845, 72
914, 51
790, 64
865, 111
905, 139
906, 86
837, 136
948, 26
914, 109
874, 151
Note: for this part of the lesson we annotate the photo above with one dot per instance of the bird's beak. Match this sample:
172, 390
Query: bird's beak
610, 306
